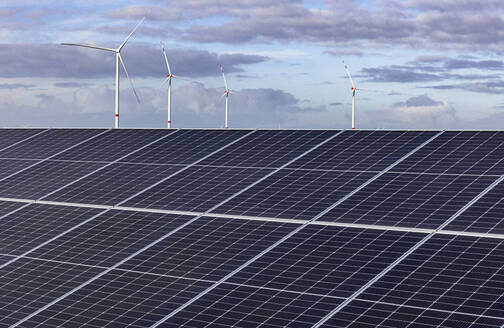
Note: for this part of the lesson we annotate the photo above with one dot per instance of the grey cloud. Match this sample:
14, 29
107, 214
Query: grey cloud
344, 53
388, 74
418, 101
70, 85
496, 87
11, 86
50, 60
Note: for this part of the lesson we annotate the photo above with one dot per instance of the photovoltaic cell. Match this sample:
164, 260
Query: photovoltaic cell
243, 306
110, 238
294, 194
113, 144
451, 273
28, 284
48, 143
409, 200
197, 189
327, 260
7, 207
457, 152
11, 166
119, 299
44, 178
113, 184
31, 226
9, 137
209, 248
363, 314
269, 148
363, 150
486, 215
185, 146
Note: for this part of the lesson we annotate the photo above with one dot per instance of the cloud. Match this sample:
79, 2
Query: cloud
11, 86
51, 60
396, 74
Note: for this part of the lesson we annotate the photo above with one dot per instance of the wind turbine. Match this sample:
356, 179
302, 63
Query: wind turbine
354, 90
226, 94
168, 79
119, 59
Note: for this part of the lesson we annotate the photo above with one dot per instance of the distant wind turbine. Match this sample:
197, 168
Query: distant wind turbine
354, 90
168, 79
118, 60
226, 94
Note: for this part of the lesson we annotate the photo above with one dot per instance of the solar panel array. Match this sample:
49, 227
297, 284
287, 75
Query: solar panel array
251, 228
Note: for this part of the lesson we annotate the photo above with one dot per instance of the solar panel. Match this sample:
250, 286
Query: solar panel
9, 137
363, 150
49, 143
267, 148
246, 306
451, 273
35, 224
409, 200
363, 314
11, 166
294, 194
197, 189
41, 179
119, 299
209, 248
112, 145
27, 284
247, 228
113, 184
485, 216
186, 146
109, 238
456, 152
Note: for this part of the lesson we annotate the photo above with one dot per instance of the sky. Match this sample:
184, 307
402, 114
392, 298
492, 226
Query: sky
418, 64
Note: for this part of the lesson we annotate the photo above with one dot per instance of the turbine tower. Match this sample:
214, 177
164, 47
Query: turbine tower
226, 94
354, 90
120, 61
168, 79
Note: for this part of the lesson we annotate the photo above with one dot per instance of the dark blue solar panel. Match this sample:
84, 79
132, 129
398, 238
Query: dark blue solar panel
327, 260
110, 238
113, 184
7, 207
409, 200
362, 314
294, 194
11, 166
113, 144
119, 299
269, 148
185, 146
28, 284
470, 152
197, 189
48, 143
245, 307
486, 215
9, 137
363, 150
209, 248
37, 223
450, 273
43, 178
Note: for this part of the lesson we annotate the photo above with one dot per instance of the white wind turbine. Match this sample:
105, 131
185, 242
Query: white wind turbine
354, 90
226, 94
118, 60
168, 79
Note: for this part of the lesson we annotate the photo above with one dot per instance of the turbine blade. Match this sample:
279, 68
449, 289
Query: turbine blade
350, 76
164, 82
129, 36
224, 77
166, 59
88, 46
183, 78
127, 75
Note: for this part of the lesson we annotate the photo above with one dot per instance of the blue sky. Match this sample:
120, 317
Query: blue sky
421, 63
